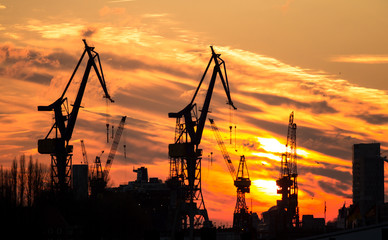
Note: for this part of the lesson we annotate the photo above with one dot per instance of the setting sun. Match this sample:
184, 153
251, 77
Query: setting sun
267, 187
271, 145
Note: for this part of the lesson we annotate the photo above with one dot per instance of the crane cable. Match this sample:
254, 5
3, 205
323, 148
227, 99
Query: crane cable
125, 146
232, 122
107, 120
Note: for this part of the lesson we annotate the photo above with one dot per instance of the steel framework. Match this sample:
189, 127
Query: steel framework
287, 182
58, 147
185, 155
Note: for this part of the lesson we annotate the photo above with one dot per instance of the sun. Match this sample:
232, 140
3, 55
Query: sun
265, 187
269, 148
271, 145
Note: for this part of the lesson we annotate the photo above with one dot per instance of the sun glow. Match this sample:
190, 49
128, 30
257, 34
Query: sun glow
302, 152
271, 145
273, 149
267, 187
269, 148
267, 155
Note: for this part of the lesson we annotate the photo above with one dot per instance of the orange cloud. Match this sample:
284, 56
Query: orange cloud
105, 11
286, 5
366, 59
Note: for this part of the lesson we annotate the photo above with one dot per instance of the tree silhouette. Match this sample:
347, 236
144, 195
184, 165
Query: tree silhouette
21, 186
22, 179
14, 178
30, 171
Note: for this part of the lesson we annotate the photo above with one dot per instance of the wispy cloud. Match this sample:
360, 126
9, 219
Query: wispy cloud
286, 5
155, 15
2, 6
53, 31
120, 1
366, 59
105, 11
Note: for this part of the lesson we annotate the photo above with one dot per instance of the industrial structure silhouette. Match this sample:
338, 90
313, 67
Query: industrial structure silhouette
79, 205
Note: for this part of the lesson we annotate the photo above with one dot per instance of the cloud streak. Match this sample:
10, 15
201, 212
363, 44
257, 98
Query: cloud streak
363, 59
316, 107
120, 1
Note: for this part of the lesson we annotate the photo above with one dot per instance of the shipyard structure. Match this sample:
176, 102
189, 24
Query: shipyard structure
79, 205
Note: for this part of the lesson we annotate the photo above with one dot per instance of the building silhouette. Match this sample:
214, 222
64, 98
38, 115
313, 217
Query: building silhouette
368, 177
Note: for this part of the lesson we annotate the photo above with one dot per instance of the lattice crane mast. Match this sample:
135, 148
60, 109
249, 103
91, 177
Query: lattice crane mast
241, 216
84, 154
113, 149
185, 155
287, 182
100, 176
58, 147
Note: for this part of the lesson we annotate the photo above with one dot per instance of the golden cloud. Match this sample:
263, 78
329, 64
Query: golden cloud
366, 59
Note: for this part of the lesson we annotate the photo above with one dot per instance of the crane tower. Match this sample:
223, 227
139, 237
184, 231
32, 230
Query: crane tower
287, 182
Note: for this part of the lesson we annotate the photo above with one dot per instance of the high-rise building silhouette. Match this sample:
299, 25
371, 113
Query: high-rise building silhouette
368, 176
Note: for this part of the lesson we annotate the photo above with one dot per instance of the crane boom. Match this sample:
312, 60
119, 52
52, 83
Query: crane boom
289, 160
113, 149
224, 152
67, 130
84, 155
195, 128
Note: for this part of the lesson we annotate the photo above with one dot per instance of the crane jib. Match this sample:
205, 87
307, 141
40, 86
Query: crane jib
195, 128
67, 130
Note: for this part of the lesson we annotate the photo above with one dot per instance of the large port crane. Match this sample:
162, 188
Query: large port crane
241, 216
287, 182
185, 154
58, 146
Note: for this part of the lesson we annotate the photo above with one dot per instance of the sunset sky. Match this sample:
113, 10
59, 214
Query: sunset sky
325, 60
